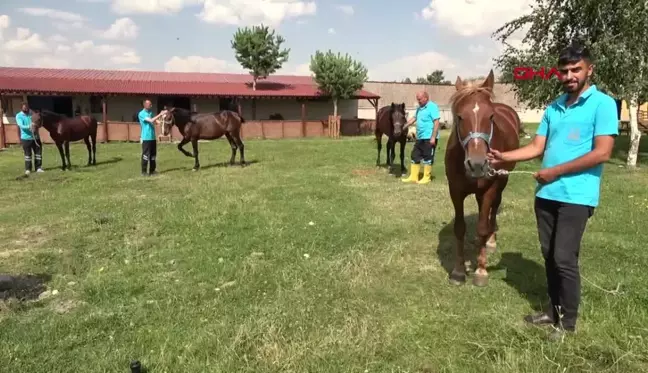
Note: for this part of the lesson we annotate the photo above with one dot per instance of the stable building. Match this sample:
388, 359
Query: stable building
282, 106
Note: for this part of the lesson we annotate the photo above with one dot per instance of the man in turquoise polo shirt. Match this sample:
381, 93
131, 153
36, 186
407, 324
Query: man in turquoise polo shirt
147, 137
575, 137
427, 138
29, 141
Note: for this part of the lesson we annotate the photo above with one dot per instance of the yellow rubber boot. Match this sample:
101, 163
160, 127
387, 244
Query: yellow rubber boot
414, 173
427, 174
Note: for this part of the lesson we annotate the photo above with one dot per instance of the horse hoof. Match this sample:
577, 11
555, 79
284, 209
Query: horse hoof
457, 278
194, 169
480, 280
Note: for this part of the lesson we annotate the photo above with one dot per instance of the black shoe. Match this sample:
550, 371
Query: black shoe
144, 174
153, 173
541, 318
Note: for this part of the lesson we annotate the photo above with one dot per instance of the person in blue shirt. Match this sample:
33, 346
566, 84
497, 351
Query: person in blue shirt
147, 138
575, 137
427, 138
30, 141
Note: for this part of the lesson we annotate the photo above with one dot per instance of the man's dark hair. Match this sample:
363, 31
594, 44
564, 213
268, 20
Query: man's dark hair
573, 53
24, 103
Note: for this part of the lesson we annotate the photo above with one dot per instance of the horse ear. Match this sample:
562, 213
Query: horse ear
458, 83
403, 106
490, 81
393, 106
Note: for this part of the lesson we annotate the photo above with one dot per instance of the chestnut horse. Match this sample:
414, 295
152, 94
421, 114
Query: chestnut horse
63, 129
205, 126
391, 120
479, 125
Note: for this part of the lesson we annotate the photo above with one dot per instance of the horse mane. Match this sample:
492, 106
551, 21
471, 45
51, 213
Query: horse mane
470, 88
50, 113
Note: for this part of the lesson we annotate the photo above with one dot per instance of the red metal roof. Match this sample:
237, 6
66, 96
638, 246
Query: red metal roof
21, 79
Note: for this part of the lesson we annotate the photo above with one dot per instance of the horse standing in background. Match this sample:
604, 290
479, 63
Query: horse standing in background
205, 126
479, 125
391, 120
63, 129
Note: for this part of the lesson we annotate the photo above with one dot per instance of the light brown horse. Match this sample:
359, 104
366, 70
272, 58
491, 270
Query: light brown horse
63, 129
479, 125
205, 126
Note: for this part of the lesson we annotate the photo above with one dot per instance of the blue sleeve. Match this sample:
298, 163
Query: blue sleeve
606, 121
543, 128
21, 122
141, 116
434, 112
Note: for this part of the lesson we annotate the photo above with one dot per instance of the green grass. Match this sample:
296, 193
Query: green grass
221, 270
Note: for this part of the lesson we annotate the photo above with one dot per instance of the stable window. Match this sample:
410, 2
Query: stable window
96, 104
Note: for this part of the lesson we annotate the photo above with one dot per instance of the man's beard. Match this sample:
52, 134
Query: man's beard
577, 88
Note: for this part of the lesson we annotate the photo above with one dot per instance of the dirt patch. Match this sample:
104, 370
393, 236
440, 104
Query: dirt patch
28, 239
65, 306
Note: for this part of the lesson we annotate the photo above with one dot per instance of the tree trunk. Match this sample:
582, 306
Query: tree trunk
254, 79
335, 102
635, 134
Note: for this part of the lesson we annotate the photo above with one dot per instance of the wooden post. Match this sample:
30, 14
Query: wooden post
3, 137
238, 105
104, 115
303, 118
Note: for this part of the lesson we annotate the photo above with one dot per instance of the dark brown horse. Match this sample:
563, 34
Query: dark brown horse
205, 126
391, 120
63, 129
479, 125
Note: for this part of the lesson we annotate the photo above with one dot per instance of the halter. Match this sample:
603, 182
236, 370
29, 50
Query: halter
475, 135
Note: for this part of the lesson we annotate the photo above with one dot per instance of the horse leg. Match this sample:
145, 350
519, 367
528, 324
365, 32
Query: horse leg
183, 143
233, 146
458, 274
194, 145
241, 148
87, 142
491, 243
67, 154
390, 158
59, 146
93, 137
484, 230
402, 155
378, 146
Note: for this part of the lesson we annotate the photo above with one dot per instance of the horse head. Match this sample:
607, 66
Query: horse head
473, 112
37, 120
168, 120
398, 118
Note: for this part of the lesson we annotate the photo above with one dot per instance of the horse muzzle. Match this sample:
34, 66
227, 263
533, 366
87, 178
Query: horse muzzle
477, 167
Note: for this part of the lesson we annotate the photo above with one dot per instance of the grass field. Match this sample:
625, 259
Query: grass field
309, 260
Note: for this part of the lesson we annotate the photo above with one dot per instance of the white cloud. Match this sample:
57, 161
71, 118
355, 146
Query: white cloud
126, 58
122, 29
412, 67
53, 14
474, 17
202, 65
25, 42
52, 62
252, 12
290, 69
151, 6
346, 9
331, 30
57, 38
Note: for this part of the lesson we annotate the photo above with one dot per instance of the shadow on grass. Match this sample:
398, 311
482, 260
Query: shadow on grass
524, 275
84, 167
214, 165
22, 286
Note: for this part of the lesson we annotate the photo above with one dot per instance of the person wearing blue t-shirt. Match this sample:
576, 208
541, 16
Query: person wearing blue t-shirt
29, 140
575, 137
427, 138
147, 138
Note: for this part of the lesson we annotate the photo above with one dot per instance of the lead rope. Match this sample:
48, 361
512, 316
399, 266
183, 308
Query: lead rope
503, 172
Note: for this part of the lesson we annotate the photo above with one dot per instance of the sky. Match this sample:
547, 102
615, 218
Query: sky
393, 39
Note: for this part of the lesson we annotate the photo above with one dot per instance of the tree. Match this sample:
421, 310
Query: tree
407, 81
436, 77
615, 31
259, 50
337, 76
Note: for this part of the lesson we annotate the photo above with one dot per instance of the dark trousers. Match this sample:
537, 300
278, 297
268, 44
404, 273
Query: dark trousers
423, 151
149, 152
35, 146
560, 230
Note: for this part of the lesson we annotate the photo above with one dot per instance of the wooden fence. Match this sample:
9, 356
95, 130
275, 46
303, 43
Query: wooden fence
252, 129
